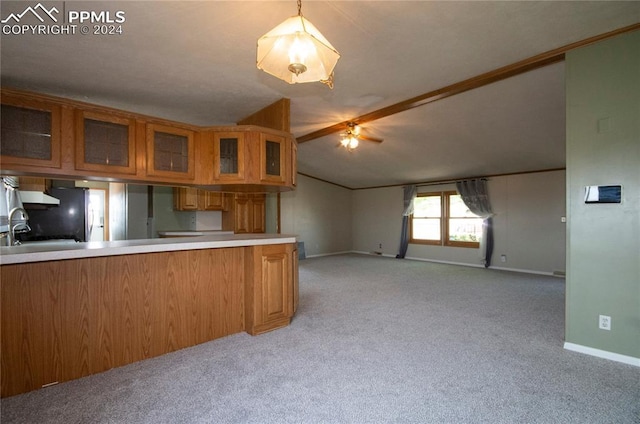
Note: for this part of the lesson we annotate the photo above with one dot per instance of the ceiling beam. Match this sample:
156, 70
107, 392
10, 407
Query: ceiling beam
526, 65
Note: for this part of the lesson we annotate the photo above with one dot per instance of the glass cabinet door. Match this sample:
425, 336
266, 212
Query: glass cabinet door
30, 132
272, 158
105, 142
170, 151
229, 156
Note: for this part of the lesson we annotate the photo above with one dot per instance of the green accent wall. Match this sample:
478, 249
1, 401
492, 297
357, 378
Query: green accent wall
603, 240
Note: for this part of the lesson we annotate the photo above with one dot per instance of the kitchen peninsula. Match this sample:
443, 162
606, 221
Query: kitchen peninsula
74, 310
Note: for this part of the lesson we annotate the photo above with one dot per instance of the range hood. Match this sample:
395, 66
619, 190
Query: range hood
38, 198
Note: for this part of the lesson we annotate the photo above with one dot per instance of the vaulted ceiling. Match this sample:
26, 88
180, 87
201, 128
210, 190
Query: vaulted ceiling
194, 62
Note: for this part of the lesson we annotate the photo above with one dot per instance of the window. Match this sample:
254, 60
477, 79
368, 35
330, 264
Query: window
443, 219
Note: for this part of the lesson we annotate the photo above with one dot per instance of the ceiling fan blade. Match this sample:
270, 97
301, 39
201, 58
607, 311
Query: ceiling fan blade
374, 139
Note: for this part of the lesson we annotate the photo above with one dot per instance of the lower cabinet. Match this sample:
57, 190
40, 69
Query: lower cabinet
62, 320
271, 289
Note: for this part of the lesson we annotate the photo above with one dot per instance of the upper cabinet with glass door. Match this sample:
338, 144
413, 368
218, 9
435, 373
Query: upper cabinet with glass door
30, 132
272, 158
105, 143
256, 157
170, 152
47, 136
229, 156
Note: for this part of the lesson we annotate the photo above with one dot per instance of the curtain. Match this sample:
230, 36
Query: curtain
410, 193
475, 196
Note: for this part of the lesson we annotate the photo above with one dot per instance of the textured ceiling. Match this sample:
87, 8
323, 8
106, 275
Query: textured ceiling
195, 62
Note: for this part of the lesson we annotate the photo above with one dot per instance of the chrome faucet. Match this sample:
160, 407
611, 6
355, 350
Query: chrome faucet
12, 234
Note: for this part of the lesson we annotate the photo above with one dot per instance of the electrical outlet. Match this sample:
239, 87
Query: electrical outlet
380, 246
604, 323
503, 258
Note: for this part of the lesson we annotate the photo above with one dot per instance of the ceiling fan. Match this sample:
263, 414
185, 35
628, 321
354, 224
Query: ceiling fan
350, 138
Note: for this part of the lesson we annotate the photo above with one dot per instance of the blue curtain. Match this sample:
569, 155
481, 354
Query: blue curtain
410, 193
476, 197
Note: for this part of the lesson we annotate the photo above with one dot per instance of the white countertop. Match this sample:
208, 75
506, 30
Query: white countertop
35, 252
180, 233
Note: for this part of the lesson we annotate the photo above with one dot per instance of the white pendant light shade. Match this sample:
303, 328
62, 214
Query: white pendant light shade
295, 51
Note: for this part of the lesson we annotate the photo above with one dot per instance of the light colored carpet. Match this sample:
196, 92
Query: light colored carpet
375, 340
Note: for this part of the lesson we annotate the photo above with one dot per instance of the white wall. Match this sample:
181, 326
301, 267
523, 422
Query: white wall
319, 214
527, 224
207, 220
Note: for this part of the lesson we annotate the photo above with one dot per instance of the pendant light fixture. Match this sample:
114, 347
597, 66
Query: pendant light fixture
295, 51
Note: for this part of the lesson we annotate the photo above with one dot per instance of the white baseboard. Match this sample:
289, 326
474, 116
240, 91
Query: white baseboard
630, 360
412, 258
527, 271
444, 262
319, 255
385, 255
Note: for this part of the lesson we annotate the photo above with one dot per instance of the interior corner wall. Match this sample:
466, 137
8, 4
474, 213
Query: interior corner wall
319, 214
603, 148
377, 220
527, 224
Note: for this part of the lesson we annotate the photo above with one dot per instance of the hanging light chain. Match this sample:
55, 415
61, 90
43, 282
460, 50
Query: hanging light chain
299, 7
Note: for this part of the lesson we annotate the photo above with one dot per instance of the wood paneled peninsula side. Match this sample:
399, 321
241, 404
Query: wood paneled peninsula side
75, 310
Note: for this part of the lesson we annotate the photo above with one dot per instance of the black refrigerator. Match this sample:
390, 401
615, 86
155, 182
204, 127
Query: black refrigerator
68, 220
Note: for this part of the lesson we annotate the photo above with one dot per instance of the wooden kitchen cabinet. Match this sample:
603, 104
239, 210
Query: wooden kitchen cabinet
245, 213
193, 199
269, 294
253, 156
229, 156
67, 319
170, 152
272, 158
50, 137
212, 201
34, 184
30, 132
105, 143
185, 199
